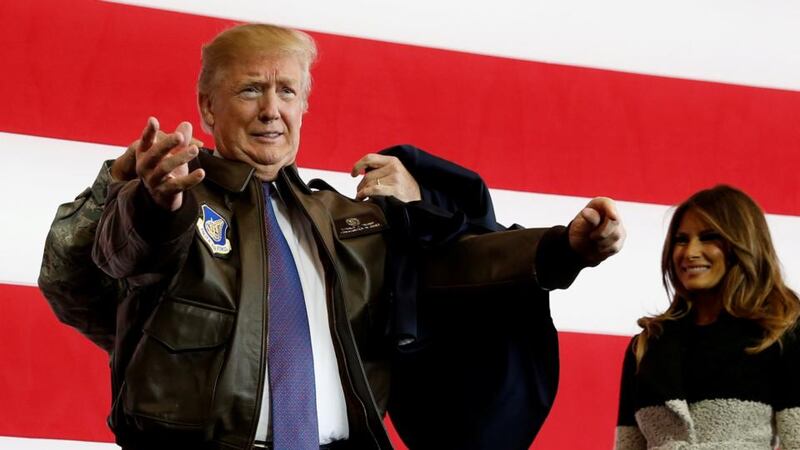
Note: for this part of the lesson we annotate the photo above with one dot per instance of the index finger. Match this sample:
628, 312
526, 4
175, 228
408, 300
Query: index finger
605, 207
370, 161
150, 157
149, 133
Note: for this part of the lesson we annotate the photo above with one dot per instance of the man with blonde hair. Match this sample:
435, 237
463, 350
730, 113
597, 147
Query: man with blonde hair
256, 307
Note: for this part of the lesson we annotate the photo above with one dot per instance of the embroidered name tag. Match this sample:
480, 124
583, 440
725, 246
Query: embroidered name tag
213, 230
358, 226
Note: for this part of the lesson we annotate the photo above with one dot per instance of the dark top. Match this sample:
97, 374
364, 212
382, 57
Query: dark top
698, 385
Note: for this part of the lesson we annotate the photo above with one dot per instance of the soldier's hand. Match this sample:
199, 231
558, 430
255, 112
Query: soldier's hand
124, 167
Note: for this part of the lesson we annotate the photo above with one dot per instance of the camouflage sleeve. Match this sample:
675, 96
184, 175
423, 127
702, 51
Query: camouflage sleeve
81, 295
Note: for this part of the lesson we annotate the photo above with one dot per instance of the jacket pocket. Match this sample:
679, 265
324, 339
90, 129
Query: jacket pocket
172, 375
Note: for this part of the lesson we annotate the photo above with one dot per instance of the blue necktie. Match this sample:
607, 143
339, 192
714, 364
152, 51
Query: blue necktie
289, 355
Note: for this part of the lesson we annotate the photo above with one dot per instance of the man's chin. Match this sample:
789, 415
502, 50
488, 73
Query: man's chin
266, 161
268, 172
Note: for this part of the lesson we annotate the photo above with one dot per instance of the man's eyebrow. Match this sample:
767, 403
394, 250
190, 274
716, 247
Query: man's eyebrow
260, 79
287, 79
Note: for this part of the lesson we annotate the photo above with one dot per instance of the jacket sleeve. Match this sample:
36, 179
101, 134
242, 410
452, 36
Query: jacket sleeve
80, 294
137, 238
787, 402
456, 203
541, 256
628, 436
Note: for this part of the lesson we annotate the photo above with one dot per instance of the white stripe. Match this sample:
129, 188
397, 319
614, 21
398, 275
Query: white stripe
735, 41
14, 443
36, 175
607, 299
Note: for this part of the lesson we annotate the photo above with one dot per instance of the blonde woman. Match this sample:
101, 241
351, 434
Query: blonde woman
719, 368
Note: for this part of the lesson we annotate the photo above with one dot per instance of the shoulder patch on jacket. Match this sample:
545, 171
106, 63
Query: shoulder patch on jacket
213, 230
349, 227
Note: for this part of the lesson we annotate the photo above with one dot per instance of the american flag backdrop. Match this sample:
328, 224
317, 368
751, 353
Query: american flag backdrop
552, 102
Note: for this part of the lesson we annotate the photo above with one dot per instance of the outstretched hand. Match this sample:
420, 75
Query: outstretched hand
597, 231
386, 176
124, 167
162, 163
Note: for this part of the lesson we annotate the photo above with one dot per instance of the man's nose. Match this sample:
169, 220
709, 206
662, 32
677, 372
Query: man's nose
269, 107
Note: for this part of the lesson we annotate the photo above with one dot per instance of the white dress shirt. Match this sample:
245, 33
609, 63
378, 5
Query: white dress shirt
331, 406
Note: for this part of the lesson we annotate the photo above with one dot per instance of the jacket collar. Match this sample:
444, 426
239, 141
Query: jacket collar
233, 176
230, 175
290, 176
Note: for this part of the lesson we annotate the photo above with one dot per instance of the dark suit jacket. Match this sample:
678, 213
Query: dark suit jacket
477, 367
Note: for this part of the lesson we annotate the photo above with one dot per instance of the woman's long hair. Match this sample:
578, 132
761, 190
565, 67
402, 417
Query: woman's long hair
752, 288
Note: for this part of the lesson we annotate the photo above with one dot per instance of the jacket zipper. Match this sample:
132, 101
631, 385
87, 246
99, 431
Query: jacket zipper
265, 317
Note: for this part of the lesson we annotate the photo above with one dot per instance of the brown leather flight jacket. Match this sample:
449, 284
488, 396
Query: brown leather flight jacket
190, 349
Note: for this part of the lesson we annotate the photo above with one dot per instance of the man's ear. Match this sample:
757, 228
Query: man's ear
204, 104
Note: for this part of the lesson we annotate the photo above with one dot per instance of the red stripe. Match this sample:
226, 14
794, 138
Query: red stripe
54, 383
584, 415
94, 71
